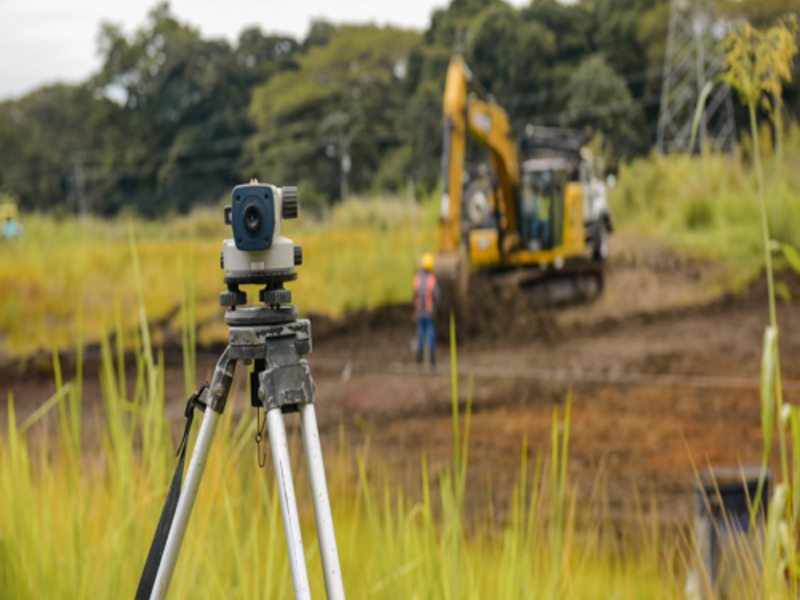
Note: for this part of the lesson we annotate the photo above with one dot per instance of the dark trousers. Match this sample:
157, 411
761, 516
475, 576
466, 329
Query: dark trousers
425, 332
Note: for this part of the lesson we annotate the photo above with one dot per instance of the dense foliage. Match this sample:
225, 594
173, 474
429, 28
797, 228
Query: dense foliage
172, 119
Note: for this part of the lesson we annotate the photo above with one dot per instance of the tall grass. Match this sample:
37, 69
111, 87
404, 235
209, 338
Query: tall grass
359, 258
710, 203
757, 64
80, 507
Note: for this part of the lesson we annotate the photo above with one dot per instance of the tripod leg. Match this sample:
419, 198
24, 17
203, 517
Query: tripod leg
185, 504
220, 386
291, 520
331, 570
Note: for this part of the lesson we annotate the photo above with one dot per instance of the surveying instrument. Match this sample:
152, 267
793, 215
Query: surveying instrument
271, 338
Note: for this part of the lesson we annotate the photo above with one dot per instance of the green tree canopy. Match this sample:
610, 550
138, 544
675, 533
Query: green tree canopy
161, 127
346, 97
600, 102
173, 118
184, 112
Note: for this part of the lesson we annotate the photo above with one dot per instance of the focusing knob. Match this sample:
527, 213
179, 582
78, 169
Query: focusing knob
290, 202
298, 256
275, 296
232, 298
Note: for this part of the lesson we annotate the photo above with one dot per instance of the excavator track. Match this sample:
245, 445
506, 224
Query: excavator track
578, 281
475, 298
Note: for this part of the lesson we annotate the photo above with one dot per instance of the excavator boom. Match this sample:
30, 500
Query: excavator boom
488, 123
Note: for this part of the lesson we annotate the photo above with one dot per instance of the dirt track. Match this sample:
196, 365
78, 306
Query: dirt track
663, 370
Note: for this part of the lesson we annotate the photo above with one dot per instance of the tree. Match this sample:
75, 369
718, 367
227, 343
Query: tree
616, 35
509, 57
572, 22
346, 98
600, 102
173, 119
184, 109
39, 136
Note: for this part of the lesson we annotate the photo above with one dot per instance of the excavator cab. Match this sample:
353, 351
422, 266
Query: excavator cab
542, 207
550, 225
567, 150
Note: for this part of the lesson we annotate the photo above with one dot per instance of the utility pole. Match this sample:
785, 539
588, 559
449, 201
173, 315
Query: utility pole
694, 56
80, 184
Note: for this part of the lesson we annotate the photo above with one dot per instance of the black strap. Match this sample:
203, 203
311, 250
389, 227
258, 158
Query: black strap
150, 571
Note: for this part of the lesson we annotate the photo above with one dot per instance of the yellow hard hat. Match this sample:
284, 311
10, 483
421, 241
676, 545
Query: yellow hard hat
427, 262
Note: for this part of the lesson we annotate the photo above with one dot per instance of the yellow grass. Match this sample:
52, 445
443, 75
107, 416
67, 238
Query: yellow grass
79, 509
361, 258
79, 512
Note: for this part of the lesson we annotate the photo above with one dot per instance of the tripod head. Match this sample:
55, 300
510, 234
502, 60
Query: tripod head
259, 254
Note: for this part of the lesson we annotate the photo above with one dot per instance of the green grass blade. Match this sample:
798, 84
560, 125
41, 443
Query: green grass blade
698, 111
54, 400
454, 391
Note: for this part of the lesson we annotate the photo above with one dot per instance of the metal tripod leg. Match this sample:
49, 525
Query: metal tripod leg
220, 385
291, 519
322, 508
331, 570
285, 382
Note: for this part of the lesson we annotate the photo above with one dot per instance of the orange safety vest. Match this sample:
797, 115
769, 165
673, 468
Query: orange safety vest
429, 285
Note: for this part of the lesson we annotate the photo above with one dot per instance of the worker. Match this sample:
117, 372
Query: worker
11, 229
426, 295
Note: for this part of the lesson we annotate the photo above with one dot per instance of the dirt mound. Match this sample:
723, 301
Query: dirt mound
383, 320
646, 282
499, 311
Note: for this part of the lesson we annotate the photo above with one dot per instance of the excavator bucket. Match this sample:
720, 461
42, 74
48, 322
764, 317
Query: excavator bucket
452, 275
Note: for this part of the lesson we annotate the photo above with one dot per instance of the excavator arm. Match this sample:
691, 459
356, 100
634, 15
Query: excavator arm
475, 113
487, 122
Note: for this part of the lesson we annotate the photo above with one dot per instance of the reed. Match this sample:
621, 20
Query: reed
360, 258
80, 508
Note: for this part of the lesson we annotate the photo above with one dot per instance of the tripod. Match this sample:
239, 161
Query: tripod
273, 339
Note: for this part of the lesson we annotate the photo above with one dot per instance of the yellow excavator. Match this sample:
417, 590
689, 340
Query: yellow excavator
536, 218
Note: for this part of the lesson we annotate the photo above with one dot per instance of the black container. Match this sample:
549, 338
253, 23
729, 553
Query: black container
723, 499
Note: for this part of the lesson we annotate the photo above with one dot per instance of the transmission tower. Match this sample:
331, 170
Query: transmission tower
694, 56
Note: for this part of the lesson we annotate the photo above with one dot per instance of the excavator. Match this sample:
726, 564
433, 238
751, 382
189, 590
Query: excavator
536, 217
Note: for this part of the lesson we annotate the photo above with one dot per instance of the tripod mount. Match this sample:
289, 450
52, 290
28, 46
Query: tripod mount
271, 338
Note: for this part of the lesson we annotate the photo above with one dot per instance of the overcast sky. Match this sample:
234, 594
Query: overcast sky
45, 41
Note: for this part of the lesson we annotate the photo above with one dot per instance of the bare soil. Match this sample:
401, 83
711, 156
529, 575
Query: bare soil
663, 371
